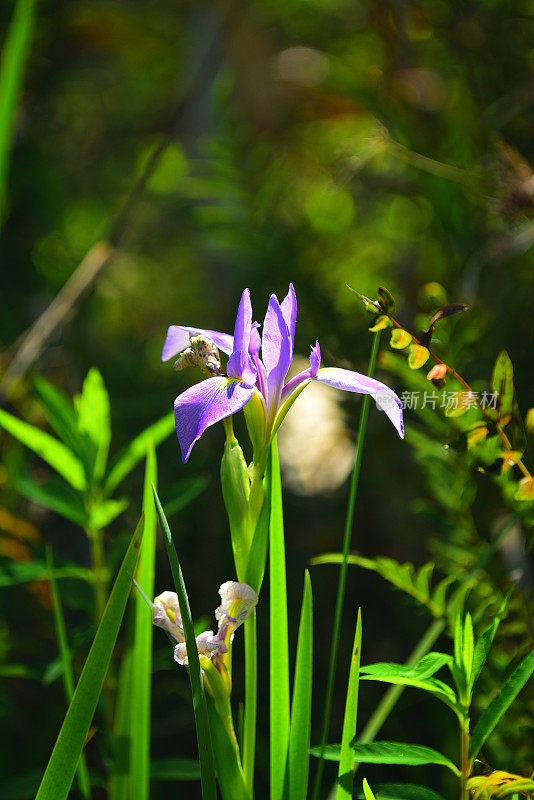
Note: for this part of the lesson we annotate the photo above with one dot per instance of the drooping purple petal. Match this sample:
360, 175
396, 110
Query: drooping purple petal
239, 363
289, 310
204, 404
386, 399
276, 350
178, 340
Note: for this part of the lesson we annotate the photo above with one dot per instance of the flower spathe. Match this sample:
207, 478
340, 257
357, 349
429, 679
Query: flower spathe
238, 602
249, 376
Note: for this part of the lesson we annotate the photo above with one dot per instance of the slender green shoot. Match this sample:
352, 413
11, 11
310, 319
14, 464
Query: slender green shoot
346, 761
343, 572
63, 763
251, 701
64, 654
299, 737
279, 648
142, 649
200, 707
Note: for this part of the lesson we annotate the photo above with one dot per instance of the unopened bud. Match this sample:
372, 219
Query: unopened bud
437, 375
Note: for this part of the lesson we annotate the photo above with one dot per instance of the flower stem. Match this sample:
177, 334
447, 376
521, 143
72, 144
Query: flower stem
343, 572
249, 718
99, 571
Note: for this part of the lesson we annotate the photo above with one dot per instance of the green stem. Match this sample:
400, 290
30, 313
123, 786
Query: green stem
67, 674
464, 751
343, 572
100, 576
249, 718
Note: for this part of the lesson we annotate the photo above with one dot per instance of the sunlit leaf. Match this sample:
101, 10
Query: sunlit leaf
402, 791
525, 489
399, 339
56, 495
346, 761
299, 734
54, 452
105, 512
381, 323
367, 791
92, 407
418, 356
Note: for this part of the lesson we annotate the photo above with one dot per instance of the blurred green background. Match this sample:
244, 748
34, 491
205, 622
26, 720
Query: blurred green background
223, 145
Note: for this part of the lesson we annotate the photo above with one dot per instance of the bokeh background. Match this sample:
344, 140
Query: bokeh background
220, 145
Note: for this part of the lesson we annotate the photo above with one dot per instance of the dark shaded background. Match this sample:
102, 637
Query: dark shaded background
322, 142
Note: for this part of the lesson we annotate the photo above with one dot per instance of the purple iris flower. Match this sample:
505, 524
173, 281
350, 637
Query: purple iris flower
247, 375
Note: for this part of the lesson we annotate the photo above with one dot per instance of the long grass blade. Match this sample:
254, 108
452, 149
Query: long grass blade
62, 766
299, 737
279, 648
343, 571
64, 654
119, 784
346, 761
14, 55
200, 707
142, 650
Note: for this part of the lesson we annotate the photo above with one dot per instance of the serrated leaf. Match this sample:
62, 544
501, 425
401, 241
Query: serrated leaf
500, 703
381, 323
386, 300
403, 791
502, 384
418, 356
54, 452
386, 674
399, 339
92, 407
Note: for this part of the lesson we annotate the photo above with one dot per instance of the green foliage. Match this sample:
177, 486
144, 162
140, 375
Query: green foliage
391, 753
301, 705
402, 791
69, 745
346, 758
200, 706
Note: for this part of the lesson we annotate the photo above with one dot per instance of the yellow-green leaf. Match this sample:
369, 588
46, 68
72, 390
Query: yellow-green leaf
418, 356
525, 490
400, 338
381, 323
502, 384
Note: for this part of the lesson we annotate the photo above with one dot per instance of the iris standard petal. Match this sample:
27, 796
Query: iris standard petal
204, 404
386, 399
315, 359
276, 350
178, 340
289, 310
240, 364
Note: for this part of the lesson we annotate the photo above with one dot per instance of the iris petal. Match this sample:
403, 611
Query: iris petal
386, 399
178, 340
204, 404
276, 350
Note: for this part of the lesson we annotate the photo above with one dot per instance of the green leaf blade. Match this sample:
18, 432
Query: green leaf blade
412, 755
278, 632
500, 703
142, 649
54, 452
299, 737
346, 761
60, 771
